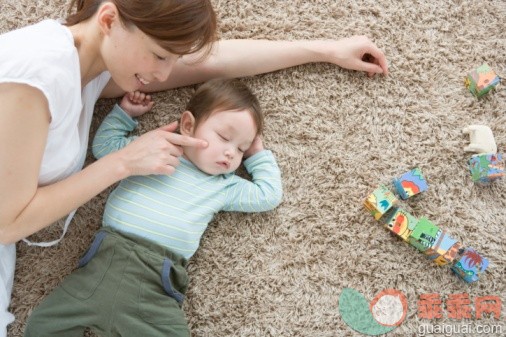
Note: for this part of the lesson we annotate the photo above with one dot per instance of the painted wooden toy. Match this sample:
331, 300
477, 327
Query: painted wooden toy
380, 201
481, 80
486, 168
400, 222
424, 234
410, 183
469, 265
444, 250
481, 139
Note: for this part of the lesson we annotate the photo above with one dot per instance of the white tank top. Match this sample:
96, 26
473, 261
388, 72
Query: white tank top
44, 56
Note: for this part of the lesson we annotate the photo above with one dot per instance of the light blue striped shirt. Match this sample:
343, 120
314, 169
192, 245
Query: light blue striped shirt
174, 210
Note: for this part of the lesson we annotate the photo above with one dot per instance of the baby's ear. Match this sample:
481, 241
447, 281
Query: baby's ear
187, 124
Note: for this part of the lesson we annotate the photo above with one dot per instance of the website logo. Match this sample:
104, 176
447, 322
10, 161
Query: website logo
383, 314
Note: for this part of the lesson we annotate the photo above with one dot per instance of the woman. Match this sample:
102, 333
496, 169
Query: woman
51, 75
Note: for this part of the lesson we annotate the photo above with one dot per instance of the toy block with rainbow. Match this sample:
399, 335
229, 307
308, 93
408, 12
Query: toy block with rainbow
410, 183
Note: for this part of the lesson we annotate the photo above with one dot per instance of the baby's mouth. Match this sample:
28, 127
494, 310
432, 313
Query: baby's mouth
224, 164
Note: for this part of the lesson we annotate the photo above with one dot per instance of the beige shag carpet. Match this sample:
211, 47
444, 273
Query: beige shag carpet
337, 135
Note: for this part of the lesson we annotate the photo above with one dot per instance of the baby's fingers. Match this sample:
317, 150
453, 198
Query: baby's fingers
138, 97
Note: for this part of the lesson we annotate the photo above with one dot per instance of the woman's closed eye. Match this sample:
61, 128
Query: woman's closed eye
161, 58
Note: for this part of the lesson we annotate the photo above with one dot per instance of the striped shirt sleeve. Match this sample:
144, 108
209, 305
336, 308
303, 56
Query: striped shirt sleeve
263, 193
112, 135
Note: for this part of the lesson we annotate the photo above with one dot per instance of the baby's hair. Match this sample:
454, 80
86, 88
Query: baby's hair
179, 26
224, 95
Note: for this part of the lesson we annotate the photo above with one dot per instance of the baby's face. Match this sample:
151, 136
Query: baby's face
229, 134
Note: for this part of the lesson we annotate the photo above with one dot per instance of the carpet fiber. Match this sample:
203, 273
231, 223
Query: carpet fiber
337, 135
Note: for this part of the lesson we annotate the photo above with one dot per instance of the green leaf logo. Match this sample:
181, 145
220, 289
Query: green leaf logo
386, 311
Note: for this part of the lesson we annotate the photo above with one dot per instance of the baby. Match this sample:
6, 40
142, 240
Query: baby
132, 279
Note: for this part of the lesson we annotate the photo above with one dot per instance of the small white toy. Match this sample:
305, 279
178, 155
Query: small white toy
482, 139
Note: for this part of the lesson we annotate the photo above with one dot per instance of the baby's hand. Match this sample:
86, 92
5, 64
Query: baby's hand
136, 103
255, 147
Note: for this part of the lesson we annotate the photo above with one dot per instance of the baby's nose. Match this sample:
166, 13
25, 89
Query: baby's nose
229, 153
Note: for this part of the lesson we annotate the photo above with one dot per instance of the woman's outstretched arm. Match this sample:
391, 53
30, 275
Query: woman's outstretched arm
238, 58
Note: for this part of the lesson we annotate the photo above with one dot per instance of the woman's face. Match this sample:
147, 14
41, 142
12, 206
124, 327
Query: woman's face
134, 59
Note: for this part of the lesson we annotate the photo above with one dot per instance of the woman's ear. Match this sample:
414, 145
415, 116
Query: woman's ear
107, 14
187, 124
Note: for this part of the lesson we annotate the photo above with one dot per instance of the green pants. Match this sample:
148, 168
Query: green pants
124, 286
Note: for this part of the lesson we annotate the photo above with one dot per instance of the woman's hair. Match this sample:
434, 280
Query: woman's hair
179, 26
224, 95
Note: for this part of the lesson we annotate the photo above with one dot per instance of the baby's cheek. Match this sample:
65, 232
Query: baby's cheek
237, 163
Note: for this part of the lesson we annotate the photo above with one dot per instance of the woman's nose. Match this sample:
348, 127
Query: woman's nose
162, 74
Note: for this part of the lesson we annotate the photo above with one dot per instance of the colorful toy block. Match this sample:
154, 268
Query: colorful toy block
424, 235
486, 168
380, 201
481, 80
444, 250
410, 184
469, 265
400, 222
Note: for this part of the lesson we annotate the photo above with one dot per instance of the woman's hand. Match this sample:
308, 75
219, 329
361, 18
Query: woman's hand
136, 103
157, 151
357, 53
